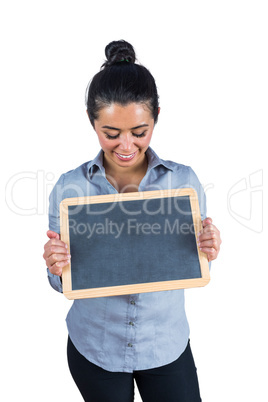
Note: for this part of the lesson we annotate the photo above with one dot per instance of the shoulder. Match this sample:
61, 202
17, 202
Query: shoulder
179, 168
155, 160
176, 166
78, 173
72, 183
182, 175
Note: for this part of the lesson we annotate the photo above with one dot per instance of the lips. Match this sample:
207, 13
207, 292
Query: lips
124, 157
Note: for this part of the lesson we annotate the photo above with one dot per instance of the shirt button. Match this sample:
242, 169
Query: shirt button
131, 323
129, 345
132, 302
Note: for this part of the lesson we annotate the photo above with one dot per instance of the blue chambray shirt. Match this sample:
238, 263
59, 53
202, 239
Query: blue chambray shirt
130, 332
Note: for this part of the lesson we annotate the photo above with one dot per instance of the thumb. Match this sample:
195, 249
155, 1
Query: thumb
207, 221
53, 235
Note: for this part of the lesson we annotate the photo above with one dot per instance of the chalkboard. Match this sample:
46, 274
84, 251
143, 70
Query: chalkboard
128, 243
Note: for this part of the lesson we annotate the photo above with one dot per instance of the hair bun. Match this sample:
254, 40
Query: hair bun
119, 51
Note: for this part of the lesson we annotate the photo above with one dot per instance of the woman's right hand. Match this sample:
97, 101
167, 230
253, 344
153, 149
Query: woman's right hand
56, 253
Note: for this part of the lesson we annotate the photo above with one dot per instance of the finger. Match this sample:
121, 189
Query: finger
53, 235
210, 252
55, 242
211, 234
56, 269
54, 250
54, 258
209, 229
206, 236
212, 243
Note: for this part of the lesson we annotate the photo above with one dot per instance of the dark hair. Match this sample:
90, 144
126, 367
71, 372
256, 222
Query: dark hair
121, 81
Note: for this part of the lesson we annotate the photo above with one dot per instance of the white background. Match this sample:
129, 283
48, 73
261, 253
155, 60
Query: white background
209, 59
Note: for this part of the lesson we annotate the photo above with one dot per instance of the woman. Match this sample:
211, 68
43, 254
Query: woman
114, 340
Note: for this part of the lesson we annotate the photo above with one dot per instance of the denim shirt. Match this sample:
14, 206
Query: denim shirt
130, 332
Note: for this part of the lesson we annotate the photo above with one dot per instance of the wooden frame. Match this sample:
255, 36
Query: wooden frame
141, 287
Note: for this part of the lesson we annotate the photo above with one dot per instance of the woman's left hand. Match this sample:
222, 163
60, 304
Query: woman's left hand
209, 239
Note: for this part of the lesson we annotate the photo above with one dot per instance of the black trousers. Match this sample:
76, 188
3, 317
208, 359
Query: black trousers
175, 382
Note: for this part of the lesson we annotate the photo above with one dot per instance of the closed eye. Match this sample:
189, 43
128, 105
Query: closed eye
139, 135
113, 137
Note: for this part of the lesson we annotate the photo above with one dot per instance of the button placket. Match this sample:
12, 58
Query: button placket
131, 330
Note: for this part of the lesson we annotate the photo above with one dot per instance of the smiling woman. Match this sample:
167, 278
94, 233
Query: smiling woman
143, 337
122, 106
124, 142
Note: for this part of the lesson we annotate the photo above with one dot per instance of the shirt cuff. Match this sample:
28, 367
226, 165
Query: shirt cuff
55, 281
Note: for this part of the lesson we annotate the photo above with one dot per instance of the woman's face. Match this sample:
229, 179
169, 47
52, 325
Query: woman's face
124, 133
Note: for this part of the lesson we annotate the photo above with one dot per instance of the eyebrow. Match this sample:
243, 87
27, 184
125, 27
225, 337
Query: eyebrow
119, 129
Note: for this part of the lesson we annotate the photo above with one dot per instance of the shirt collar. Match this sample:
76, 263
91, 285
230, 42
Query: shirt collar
98, 162
153, 162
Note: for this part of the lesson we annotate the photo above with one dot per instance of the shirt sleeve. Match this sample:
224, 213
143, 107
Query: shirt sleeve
55, 199
54, 224
196, 185
55, 281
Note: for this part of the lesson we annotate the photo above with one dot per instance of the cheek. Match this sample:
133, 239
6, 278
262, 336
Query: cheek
106, 143
144, 142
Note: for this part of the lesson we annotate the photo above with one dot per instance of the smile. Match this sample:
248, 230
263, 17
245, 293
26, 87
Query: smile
125, 157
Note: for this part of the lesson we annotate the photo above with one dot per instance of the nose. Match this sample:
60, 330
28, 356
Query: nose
126, 142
